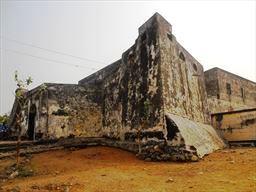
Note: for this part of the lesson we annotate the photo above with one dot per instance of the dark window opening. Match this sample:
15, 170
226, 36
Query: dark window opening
169, 36
172, 128
181, 56
194, 66
242, 93
228, 87
218, 96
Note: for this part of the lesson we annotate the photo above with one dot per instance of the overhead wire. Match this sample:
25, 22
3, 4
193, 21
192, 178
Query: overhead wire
54, 51
51, 60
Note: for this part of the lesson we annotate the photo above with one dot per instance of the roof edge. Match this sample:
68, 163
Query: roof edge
219, 69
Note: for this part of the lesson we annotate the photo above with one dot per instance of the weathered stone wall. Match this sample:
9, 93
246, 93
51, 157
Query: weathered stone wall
73, 110
62, 110
35, 109
183, 79
156, 78
211, 82
132, 97
228, 92
185, 106
236, 125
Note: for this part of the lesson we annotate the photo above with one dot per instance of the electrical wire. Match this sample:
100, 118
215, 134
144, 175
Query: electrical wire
53, 51
46, 59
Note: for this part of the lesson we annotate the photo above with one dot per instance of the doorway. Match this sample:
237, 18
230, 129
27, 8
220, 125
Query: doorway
172, 128
31, 122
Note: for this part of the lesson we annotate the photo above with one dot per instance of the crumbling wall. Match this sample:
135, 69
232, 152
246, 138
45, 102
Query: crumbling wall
60, 111
73, 110
35, 105
229, 92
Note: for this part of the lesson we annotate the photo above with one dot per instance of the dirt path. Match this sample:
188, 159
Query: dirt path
103, 169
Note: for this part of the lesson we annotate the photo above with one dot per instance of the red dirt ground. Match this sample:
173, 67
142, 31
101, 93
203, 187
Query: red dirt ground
103, 169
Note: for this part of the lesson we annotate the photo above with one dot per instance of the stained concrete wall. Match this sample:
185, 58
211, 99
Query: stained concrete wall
229, 92
236, 125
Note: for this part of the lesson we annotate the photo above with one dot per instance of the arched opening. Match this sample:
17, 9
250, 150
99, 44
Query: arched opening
182, 57
31, 122
194, 66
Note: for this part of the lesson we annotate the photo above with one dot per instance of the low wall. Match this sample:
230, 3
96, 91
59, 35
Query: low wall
236, 125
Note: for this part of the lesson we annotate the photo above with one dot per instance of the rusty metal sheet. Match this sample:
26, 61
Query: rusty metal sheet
202, 136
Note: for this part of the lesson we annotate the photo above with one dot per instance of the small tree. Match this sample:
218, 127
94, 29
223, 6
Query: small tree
4, 119
22, 101
20, 96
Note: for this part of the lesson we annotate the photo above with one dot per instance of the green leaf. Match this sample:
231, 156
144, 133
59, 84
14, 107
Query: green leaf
18, 93
29, 80
43, 86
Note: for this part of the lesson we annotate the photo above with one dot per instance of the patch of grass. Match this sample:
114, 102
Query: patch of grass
25, 171
21, 170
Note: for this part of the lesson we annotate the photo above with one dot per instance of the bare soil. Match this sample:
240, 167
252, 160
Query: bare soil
103, 169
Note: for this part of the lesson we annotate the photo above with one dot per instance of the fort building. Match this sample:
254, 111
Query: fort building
156, 97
